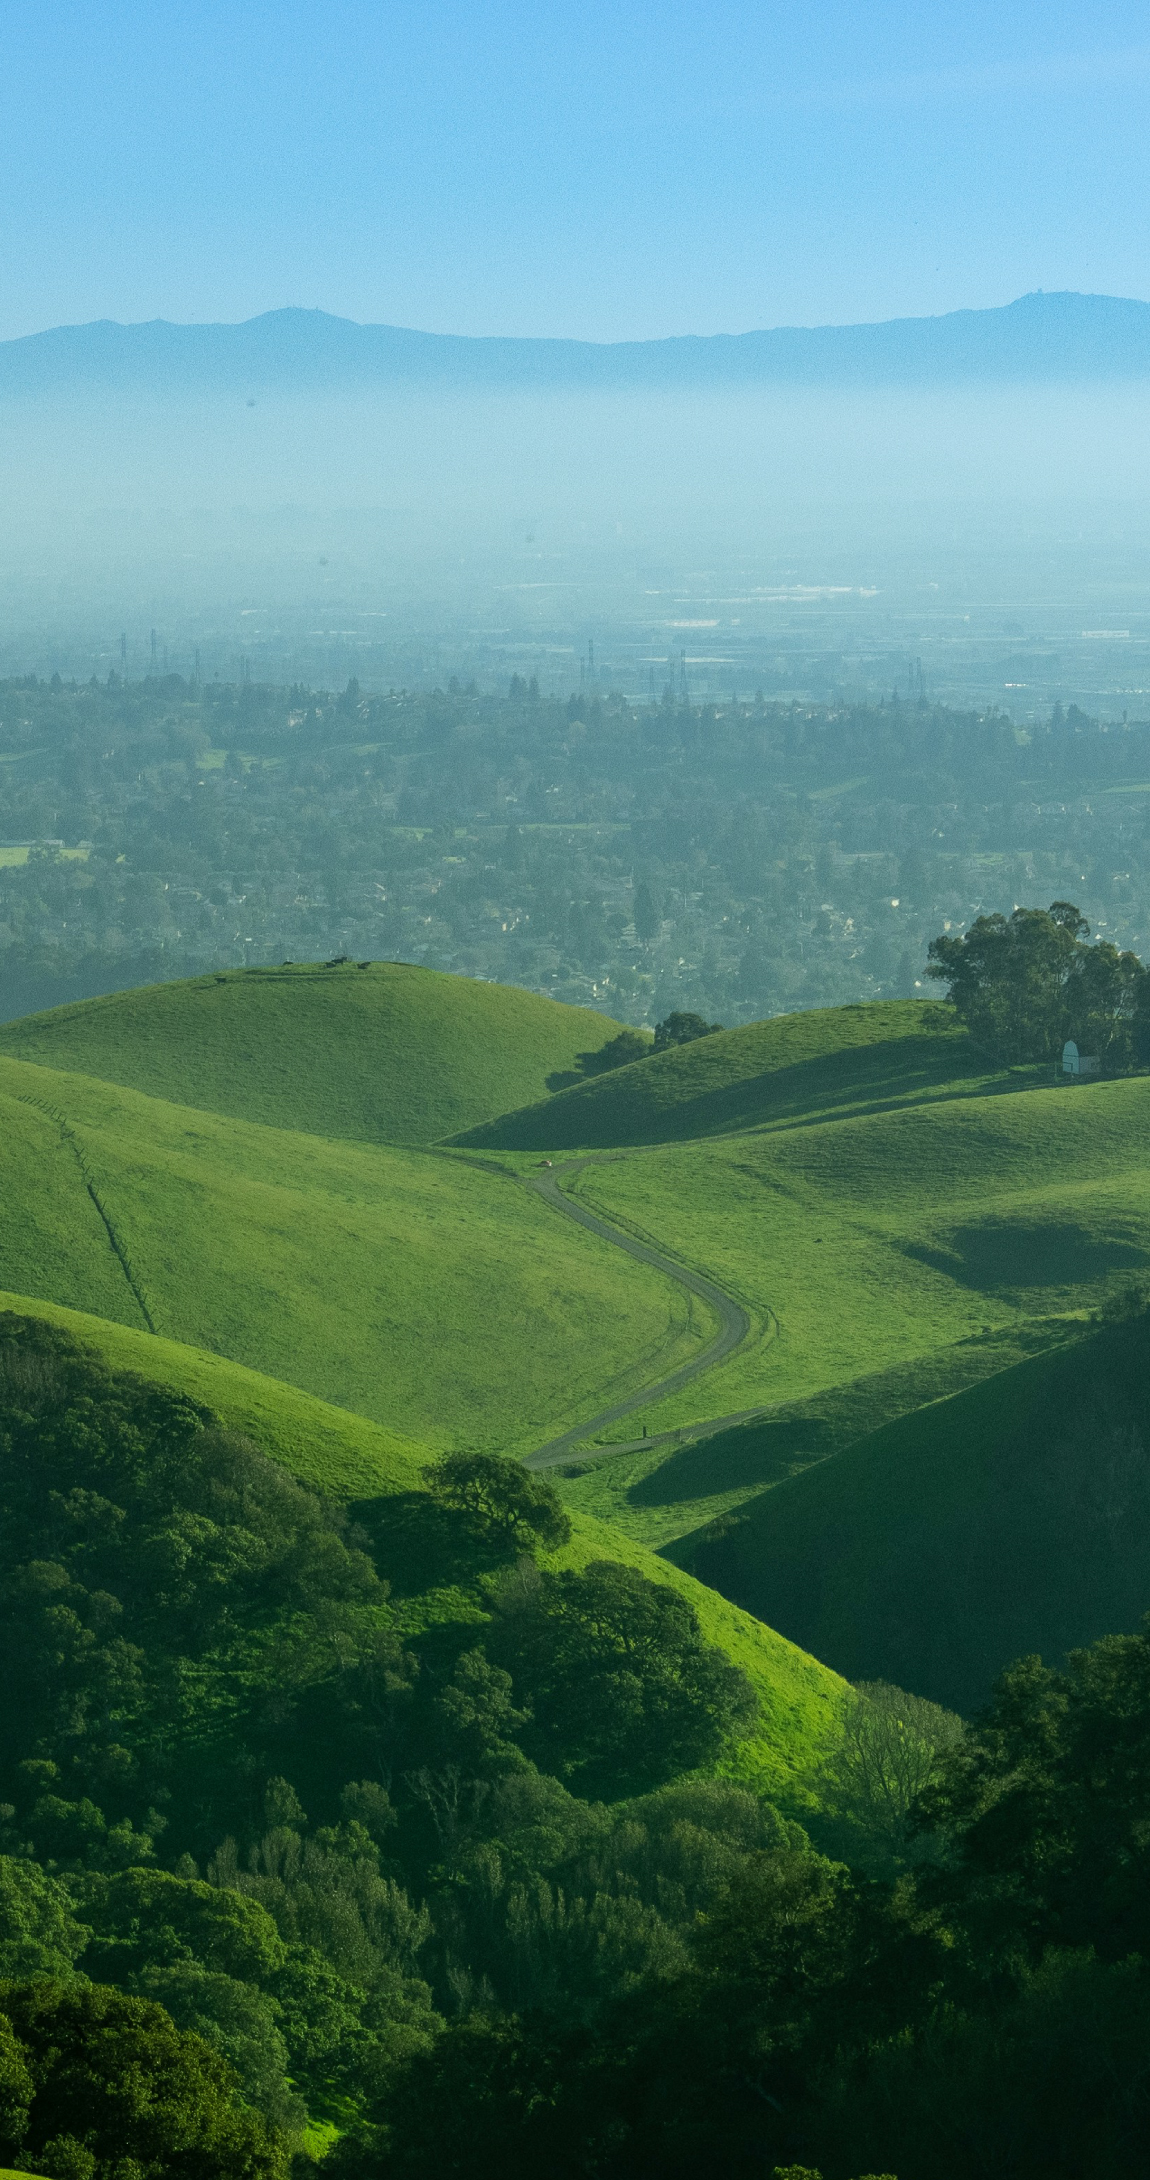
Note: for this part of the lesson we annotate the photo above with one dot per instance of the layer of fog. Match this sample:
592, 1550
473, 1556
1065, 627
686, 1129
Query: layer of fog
564, 458
566, 510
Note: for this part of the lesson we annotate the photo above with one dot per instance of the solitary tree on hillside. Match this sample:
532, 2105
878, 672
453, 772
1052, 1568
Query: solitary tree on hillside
682, 1029
507, 1504
630, 1044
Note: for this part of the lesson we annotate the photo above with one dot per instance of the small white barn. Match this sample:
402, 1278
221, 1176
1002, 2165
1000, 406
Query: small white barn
1075, 1062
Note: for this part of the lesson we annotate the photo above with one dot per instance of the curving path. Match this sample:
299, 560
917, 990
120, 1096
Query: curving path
734, 1322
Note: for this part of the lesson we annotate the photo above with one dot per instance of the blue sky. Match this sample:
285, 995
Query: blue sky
608, 171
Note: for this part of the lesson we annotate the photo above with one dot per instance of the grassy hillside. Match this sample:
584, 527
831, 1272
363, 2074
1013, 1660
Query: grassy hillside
382, 1054
442, 1300
833, 1060
329, 1448
1014, 1517
878, 1239
353, 1459
667, 1487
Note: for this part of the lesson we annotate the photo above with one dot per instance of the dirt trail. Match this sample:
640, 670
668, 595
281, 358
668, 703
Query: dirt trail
734, 1322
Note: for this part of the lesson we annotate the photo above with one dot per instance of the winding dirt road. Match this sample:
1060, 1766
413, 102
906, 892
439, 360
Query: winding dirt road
734, 1322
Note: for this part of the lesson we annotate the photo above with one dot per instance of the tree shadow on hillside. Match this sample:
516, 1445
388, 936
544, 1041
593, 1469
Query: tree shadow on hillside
859, 1078
891, 1073
1028, 1253
754, 1453
417, 1544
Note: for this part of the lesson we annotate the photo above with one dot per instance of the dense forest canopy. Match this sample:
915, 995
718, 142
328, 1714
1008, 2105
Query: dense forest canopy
728, 860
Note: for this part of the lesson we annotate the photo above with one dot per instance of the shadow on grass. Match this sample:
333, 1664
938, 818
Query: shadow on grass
794, 1436
755, 1453
627, 1108
1029, 1253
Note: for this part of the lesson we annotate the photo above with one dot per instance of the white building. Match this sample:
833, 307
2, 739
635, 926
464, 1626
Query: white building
1075, 1062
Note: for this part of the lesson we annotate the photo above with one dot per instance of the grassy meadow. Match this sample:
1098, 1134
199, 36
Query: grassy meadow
899, 1257
385, 1053
796, 1068
875, 1239
440, 1299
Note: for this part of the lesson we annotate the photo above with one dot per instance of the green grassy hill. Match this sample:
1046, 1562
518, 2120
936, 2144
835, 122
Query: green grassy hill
872, 1240
352, 1459
441, 1299
1012, 1518
383, 1054
833, 1060
897, 1223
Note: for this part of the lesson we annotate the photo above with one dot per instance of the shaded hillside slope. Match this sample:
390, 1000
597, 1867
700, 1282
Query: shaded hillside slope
352, 1459
443, 1300
662, 1489
874, 1239
1012, 1518
796, 1067
382, 1054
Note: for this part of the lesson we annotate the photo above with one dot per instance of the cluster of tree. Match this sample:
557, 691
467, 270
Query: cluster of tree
232, 1789
987, 2012
1023, 984
730, 861
481, 1900
94, 2082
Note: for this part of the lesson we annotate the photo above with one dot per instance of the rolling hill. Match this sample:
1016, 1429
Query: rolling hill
442, 1299
877, 1238
351, 1458
380, 1054
1011, 1518
794, 1068
907, 1233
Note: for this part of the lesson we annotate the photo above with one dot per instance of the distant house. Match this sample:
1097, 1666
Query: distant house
1075, 1062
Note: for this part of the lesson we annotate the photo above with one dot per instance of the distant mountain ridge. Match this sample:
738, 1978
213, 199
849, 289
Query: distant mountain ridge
1039, 337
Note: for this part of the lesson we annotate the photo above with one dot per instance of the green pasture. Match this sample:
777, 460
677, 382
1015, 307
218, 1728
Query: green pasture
795, 1069
352, 1458
915, 1241
382, 1054
438, 1298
